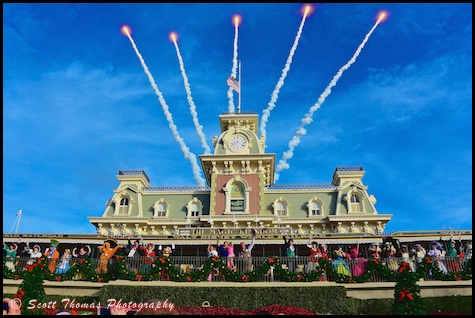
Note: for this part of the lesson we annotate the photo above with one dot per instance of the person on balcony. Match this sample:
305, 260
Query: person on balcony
339, 264
290, 252
149, 255
35, 253
245, 253
64, 266
82, 252
10, 255
436, 253
52, 254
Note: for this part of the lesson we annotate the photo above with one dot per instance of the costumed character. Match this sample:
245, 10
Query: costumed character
134, 254
64, 266
375, 251
81, 256
52, 254
231, 255
149, 257
359, 262
245, 253
106, 253
405, 257
290, 253
314, 254
35, 253
166, 251
467, 251
82, 252
436, 252
390, 248
453, 250
339, 263
10, 254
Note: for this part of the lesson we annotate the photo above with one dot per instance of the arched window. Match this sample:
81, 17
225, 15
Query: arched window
280, 207
237, 196
356, 204
194, 208
315, 207
124, 206
160, 208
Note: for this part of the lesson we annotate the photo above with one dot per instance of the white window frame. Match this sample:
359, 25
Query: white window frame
281, 212
157, 209
195, 202
310, 207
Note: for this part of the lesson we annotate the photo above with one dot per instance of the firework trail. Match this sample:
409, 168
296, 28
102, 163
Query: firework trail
186, 151
283, 165
194, 114
280, 83
236, 20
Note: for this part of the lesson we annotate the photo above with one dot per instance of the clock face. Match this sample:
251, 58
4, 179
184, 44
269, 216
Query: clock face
237, 142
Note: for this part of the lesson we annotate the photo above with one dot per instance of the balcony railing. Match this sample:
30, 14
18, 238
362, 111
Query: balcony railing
188, 264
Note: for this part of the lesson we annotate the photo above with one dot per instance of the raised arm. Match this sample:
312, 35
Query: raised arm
309, 244
74, 252
88, 253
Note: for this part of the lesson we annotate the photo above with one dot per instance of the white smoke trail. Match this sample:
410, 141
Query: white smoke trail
186, 151
235, 65
283, 165
194, 114
280, 83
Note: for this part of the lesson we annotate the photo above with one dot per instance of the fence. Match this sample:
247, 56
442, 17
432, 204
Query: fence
182, 264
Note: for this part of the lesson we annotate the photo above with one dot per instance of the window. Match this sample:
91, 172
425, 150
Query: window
237, 196
280, 207
124, 206
195, 210
315, 208
356, 205
160, 208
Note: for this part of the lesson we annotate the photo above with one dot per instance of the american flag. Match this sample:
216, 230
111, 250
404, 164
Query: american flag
233, 83
19, 212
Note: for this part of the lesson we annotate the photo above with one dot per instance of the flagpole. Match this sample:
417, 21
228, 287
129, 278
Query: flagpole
240, 88
19, 218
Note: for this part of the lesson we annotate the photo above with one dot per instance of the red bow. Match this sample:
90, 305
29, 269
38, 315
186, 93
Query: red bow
138, 277
271, 260
215, 258
58, 278
16, 277
403, 267
99, 279
245, 278
188, 278
405, 293
19, 294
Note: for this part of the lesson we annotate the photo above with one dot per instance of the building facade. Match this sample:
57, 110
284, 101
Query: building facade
240, 195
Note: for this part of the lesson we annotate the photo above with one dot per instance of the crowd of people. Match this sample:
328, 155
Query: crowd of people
450, 256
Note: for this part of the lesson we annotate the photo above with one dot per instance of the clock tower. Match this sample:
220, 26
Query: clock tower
239, 169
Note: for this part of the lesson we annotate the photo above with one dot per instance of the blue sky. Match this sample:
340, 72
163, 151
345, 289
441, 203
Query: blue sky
78, 105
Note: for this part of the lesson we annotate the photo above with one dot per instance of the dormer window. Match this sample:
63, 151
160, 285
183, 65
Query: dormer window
280, 207
160, 209
194, 208
315, 207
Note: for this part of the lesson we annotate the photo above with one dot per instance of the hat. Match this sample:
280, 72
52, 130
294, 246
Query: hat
37, 246
439, 246
112, 242
404, 246
54, 243
418, 246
